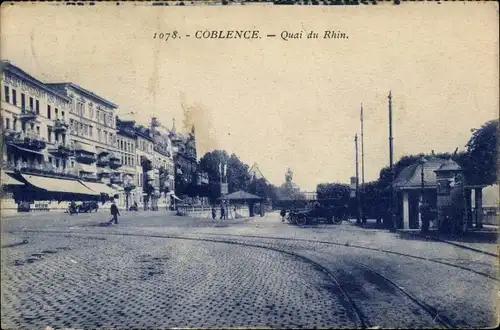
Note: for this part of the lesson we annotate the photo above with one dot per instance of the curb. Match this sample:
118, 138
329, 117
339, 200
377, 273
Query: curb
437, 239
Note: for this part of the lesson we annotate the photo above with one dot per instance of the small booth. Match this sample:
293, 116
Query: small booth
249, 199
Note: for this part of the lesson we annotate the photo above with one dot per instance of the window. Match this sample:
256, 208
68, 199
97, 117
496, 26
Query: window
80, 131
90, 131
91, 111
62, 114
7, 123
14, 125
23, 101
56, 111
72, 162
32, 107
37, 106
49, 115
50, 160
99, 135
79, 108
38, 130
6, 94
49, 133
14, 97
85, 129
98, 115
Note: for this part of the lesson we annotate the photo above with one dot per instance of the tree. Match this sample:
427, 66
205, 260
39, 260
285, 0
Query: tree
482, 154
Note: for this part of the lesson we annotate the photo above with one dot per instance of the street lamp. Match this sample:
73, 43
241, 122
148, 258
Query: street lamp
423, 207
422, 162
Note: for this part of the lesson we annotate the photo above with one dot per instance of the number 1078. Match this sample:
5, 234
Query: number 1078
166, 36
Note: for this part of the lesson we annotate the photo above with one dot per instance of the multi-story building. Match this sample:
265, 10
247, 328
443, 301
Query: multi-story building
92, 127
185, 161
144, 167
39, 149
163, 163
126, 143
34, 123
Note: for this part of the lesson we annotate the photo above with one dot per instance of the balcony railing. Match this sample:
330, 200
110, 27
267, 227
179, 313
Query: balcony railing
27, 114
116, 179
45, 168
61, 149
102, 162
84, 157
29, 140
115, 163
60, 125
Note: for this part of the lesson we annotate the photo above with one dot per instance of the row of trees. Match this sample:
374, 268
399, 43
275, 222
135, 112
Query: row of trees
239, 178
479, 162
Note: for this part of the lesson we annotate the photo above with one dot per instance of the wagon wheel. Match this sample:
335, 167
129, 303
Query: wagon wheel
336, 219
291, 218
301, 220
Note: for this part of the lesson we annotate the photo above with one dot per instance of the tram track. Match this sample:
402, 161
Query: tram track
360, 319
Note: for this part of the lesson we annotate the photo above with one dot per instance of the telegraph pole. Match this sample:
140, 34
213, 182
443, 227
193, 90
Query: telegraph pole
362, 152
358, 217
391, 166
362, 168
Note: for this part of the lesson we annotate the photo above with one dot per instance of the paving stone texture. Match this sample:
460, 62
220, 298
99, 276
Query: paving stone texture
154, 270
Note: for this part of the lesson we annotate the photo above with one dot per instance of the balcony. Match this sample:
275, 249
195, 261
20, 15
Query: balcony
84, 157
103, 172
61, 149
85, 153
116, 179
60, 126
27, 115
28, 140
114, 163
103, 162
43, 168
147, 164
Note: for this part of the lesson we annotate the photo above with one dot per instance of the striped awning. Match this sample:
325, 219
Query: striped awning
58, 185
8, 180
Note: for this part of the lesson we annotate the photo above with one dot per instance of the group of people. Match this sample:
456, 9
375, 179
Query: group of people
223, 214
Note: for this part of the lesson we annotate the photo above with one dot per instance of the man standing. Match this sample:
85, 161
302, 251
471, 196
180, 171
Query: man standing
222, 212
114, 212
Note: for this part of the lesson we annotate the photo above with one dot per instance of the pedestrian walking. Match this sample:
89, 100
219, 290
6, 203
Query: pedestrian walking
214, 212
114, 213
222, 212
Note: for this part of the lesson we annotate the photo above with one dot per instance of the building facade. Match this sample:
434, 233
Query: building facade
128, 178
40, 148
62, 142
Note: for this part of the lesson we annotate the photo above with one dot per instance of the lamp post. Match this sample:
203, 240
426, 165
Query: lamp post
423, 209
422, 181
391, 154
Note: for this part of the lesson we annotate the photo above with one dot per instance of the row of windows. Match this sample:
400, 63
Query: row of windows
10, 96
100, 115
125, 146
82, 129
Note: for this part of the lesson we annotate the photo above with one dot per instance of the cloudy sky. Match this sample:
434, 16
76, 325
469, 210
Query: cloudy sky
279, 103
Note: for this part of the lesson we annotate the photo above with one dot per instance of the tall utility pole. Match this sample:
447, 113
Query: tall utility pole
358, 217
362, 152
391, 166
362, 191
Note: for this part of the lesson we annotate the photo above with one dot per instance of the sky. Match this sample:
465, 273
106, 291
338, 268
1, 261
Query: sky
278, 103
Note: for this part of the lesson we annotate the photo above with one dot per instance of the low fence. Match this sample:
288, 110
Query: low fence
232, 212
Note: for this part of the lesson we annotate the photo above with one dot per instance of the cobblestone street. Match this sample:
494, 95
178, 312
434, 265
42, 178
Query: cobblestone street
156, 270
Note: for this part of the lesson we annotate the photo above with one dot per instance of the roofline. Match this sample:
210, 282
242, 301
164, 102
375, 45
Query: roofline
7, 66
86, 92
